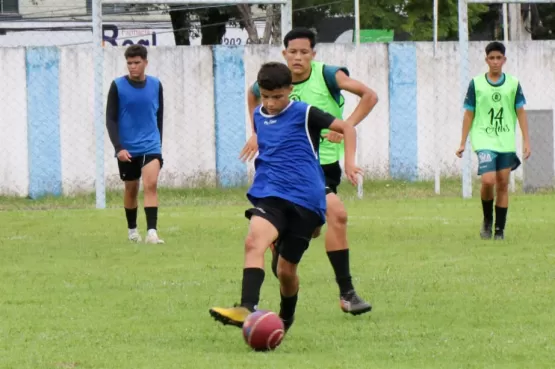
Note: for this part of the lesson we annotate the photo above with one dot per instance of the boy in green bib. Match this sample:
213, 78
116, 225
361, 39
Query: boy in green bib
320, 85
493, 104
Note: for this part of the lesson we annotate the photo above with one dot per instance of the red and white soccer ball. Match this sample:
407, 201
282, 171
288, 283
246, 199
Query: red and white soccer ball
263, 330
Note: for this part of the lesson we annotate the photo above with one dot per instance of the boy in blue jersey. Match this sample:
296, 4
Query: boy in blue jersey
134, 119
321, 85
288, 193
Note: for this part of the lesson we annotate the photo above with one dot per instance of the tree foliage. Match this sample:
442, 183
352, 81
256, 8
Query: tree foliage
414, 17
411, 17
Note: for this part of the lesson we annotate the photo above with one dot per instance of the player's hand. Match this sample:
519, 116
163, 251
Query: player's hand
352, 172
526, 151
250, 149
460, 151
124, 155
333, 136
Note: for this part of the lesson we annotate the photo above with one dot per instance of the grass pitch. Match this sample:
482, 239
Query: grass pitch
75, 294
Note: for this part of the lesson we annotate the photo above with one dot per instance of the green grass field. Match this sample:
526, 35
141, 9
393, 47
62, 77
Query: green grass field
75, 294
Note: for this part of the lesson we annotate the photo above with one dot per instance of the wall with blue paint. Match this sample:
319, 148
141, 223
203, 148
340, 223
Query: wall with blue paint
403, 139
43, 121
46, 106
229, 103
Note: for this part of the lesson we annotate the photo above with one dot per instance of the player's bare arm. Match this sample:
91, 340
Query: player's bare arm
467, 124
368, 100
349, 135
523, 122
251, 147
368, 97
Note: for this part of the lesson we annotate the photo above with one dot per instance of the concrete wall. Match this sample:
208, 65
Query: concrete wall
47, 127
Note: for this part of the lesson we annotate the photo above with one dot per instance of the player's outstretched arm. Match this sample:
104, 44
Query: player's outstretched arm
368, 97
523, 122
251, 147
350, 138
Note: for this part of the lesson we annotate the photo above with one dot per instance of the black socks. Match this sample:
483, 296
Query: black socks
340, 262
500, 215
252, 283
487, 208
151, 217
500, 218
131, 215
288, 306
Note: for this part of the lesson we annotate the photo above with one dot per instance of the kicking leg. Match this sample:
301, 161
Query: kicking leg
502, 202
338, 253
150, 174
261, 234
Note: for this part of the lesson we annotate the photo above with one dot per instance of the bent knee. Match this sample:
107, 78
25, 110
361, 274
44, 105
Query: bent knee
337, 215
286, 272
253, 245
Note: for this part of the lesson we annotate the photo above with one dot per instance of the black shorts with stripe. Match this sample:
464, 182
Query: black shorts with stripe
332, 175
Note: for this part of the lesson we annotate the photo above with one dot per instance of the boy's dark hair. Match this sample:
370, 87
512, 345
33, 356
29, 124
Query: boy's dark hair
297, 33
273, 76
136, 50
495, 46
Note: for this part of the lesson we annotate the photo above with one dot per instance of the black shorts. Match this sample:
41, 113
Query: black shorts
332, 175
131, 170
295, 225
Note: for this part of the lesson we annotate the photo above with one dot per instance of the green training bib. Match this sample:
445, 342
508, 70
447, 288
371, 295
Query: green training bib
315, 92
494, 124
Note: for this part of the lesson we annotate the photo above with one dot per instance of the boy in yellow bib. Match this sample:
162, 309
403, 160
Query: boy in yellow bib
493, 104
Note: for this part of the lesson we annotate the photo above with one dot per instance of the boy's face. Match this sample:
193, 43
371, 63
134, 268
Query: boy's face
495, 61
298, 55
136, 66
275, 101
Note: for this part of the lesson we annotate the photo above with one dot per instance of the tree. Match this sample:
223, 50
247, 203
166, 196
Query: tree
181, 24
412, 16
419, 21
212, 20
272, 27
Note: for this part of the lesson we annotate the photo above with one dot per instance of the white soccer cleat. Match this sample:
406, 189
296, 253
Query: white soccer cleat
133, 235
152, 237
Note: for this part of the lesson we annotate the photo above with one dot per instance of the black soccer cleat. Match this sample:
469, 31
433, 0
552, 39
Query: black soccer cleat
485, 232
499, 235
353, 304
